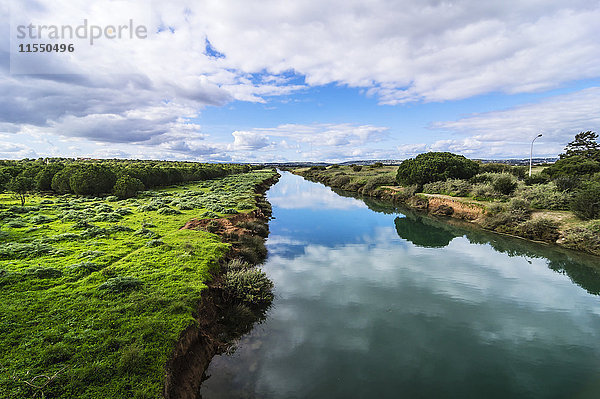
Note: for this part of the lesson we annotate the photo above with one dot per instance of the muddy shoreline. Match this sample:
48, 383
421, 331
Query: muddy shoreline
199, 343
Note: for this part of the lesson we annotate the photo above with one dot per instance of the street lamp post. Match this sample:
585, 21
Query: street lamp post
531, 153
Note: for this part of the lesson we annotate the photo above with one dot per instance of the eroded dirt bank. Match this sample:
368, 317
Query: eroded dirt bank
200, 343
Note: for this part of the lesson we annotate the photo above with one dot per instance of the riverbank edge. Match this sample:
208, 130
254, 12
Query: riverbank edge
438, 205
199, 343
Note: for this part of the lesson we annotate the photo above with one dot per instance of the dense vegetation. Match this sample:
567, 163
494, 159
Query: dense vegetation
535, 207
435, 166
123, 178
95, 292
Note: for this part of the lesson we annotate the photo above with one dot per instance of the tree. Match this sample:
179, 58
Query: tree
435, 166
586, 202
4, 179
127, 186
20, 186
575, 165
584, 145
43, 179
92, 180
60, 181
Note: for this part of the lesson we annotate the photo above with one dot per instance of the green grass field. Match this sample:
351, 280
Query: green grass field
94, 292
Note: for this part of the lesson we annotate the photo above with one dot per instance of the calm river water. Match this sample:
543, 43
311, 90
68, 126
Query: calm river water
377, 302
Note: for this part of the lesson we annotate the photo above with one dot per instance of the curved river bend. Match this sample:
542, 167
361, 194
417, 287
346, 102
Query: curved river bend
377, 302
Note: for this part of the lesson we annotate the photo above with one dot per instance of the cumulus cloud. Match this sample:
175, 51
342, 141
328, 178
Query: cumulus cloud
509, 132
214, 52
314, 142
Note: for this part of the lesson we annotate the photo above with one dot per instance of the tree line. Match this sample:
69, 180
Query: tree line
123, 178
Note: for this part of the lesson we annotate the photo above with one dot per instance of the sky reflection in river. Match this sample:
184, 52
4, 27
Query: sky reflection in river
363, 312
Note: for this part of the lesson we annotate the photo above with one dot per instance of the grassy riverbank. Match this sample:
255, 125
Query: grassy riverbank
534, 209
96, 292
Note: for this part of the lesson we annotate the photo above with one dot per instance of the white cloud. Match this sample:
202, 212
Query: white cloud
249, 141
509, 132
145, 91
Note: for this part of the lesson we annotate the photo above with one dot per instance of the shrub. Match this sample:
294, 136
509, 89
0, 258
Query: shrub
168, 211
83, 268
253, 249
40, 219
381, 180
144, 232
505, 221
91, 254
504, 184
483, 191
16, 223
435, 166
453, 187
536, 179
94, 231
155, 243
43, 272
583, 239
539, 229
251, 286
586, 202
339, 180
255, 227
545, 196
19, 250
237, 264
356, 168
127, 186
566, 183
120, 284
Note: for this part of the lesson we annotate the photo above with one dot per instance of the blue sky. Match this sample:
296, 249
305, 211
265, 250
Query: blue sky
306, 80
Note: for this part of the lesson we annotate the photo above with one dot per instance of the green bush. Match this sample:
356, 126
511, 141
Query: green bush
566, 183
43, 272
453, 187
127, 187
168, 211
539, 229
356, 168
585, 238
20, 250
379, 180
537, 178
586, 202
255, 227
251, 286
155, 243
504, 184
120, 284
483, 191
577, 165
545, 196
83, 268
253, 249
435, 166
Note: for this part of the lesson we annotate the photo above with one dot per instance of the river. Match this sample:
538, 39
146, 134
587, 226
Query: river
378, 302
